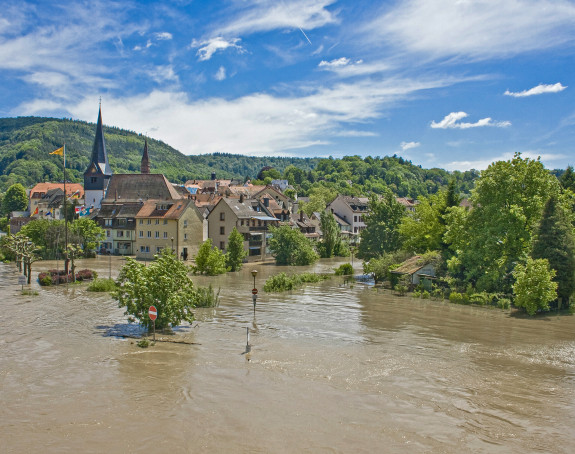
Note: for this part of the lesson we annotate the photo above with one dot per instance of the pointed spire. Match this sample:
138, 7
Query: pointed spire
145, 165
99, 155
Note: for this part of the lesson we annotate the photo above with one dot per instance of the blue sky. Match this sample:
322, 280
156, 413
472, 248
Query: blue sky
455, 84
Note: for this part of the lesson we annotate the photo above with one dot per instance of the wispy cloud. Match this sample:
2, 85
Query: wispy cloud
482, 164
254, 124
409, 145
266, 15
209, 47
344, 67
475, 29
162, 74
163, 36
451, 121
538, 90
221, 74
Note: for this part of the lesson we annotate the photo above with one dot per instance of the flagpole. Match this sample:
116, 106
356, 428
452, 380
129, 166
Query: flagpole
65, 221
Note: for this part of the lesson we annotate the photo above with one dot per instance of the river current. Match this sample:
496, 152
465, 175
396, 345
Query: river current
331, 368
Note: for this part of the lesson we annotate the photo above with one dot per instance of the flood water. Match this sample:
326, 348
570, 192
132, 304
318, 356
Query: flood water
332, 368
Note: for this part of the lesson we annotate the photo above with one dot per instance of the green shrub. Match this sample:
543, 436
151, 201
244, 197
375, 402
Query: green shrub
456, 297
207, 297
425, 295
416, 294
344, 270
504, 303
401, 289
44, 279
282, 282
144, 343
102, 285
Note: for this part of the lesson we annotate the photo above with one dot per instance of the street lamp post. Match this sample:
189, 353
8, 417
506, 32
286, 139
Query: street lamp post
254, 290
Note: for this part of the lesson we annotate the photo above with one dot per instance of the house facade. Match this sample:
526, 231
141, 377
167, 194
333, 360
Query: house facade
174, 224
352, 210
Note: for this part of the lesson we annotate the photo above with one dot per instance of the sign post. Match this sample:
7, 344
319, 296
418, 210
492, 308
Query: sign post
22, 281
254, 298
153, 313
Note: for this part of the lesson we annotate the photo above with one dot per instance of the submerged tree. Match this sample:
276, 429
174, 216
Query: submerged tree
291, 247
534, 288
163, 283
236, 253
555, 242
210, 260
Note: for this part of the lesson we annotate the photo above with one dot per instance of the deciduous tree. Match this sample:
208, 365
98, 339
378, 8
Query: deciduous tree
534, 288
236, 253
291, 247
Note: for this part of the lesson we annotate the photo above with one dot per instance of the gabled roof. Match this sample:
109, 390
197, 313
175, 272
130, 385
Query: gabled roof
247, 209
71, 188
410, 266
355, 203
152, 209
119, 210
137, 187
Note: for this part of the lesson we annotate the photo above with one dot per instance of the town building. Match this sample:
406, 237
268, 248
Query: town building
352, 210
97, 175
47, 199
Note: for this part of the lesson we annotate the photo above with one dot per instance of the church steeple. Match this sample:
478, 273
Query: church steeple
97, 175
99, 155
145, 164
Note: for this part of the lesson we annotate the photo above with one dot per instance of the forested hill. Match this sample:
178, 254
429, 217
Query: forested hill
25, 144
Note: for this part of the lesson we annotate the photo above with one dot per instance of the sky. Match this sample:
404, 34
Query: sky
454, 84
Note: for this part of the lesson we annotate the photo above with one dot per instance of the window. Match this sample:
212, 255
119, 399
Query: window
122, 222
149, 221
158, 249
355, 219
222, 230
185, 223
108, 233
142, 248
242, 222
222, 216
157, 234
120, 234
141, 234
165, 221
141, 221
165, 235
222, 245
185, 236
157, 221
149, 234
108, 222
93, 179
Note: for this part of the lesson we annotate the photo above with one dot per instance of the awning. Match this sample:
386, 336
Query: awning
265, 218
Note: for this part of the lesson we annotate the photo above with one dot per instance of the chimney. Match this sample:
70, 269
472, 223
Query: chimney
241, 198
213, 175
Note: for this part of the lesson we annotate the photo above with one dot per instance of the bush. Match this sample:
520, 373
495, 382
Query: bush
282, 282
344, 270
102, 285
207, 297
416, 294
44, 279
504, 303
456, 297
86, 275
401, 289
425, 295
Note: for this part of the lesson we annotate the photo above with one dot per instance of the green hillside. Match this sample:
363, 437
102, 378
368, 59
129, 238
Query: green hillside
25, 144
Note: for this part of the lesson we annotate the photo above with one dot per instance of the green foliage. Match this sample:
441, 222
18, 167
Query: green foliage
15, 199
163, 283
567, 179
291, 247
210, 260
534, 288
555, 242
508, 201
236, 253
87, 233
380, 267
381, 233
4, 224
319, 197
423, 230
102, 285
282, 282
207, 297
143, 343
456, 297
344, 270
331, 241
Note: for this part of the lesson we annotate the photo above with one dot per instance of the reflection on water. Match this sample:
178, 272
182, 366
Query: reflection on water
332, 368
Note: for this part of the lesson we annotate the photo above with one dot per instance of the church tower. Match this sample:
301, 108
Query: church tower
145, 164
97, 175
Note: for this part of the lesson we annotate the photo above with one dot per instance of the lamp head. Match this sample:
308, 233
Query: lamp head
254, 273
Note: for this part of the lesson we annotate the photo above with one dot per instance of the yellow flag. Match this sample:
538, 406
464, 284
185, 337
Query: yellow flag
59, 151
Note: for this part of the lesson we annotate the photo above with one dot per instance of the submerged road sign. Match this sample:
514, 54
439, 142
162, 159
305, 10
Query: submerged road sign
254, 291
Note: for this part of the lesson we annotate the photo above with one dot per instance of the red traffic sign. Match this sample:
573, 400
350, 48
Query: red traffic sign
254, 291
153, 313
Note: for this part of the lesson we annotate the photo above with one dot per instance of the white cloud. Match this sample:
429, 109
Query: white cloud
163, 36
147, 46
538, 90
266, 15
163, 74
208, 48
451, 121
256, 124
221, 74
343, 61
409, 145
476, 29
344, 67
482, 164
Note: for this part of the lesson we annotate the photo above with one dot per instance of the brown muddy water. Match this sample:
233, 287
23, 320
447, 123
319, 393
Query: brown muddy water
332, 368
